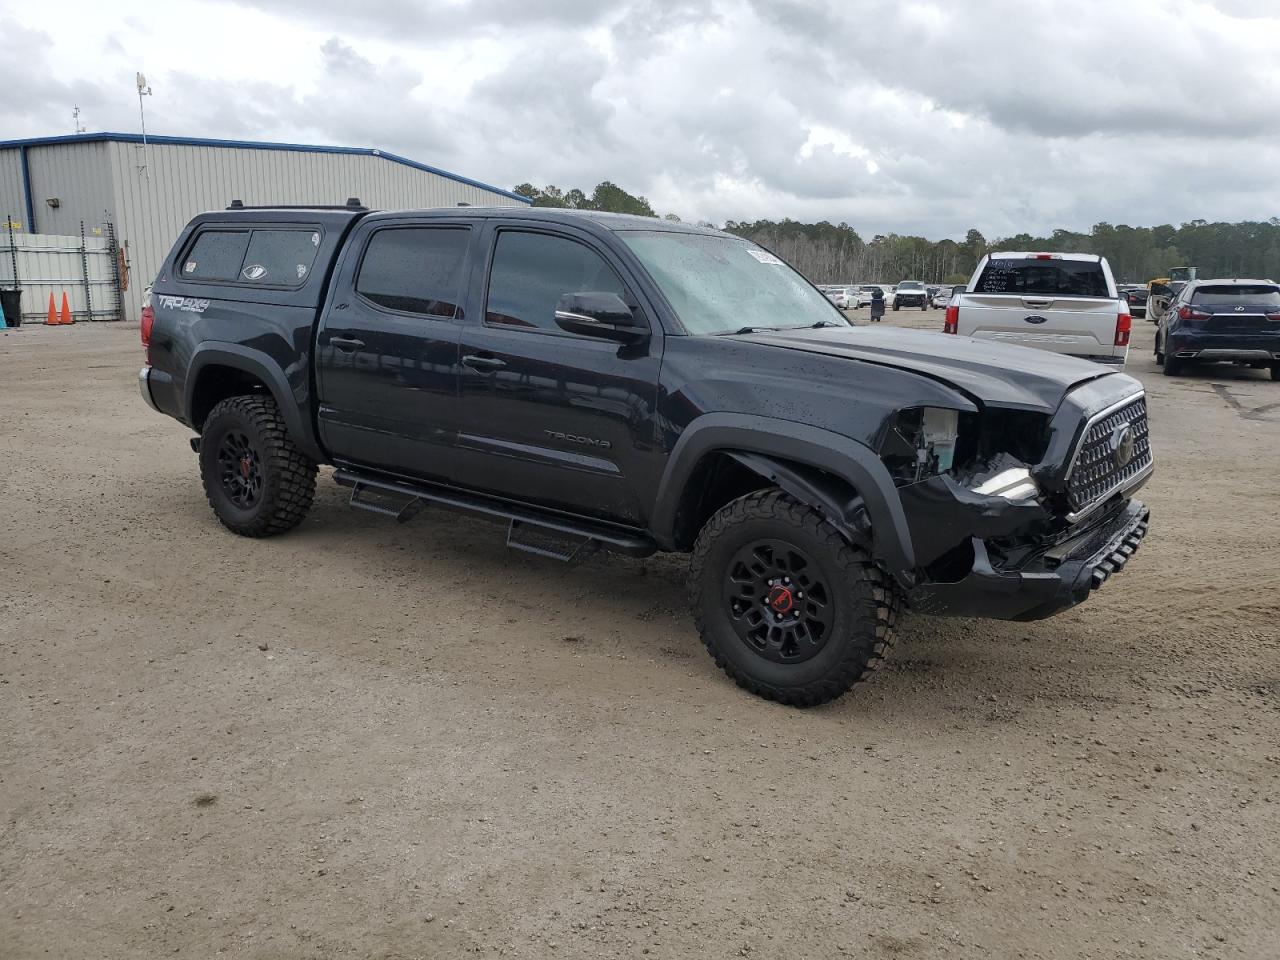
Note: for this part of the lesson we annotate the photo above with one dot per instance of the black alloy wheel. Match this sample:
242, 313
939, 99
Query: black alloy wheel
239, 470
256, 479
777, 601
786, 606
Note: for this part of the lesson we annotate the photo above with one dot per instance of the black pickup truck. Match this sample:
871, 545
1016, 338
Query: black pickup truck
602, 381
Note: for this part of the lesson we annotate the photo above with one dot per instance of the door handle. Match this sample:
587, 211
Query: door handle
346, 344
476, 362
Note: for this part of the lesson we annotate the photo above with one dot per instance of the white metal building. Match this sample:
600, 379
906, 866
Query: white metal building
148, 192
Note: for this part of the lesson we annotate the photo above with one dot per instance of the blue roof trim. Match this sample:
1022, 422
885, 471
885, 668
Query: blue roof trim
257, 145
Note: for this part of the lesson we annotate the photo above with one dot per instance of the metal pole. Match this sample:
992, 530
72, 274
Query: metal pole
13, 251
114, 251
84, 269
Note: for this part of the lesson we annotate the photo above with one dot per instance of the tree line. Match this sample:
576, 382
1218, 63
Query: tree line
835, 253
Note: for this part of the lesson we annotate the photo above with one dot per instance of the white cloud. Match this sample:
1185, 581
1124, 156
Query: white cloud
893, 115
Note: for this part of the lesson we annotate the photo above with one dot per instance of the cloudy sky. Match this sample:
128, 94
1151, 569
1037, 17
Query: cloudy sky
892, 115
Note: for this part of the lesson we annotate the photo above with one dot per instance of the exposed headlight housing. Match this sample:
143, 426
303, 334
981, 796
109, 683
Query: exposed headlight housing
921, 443
1016, 483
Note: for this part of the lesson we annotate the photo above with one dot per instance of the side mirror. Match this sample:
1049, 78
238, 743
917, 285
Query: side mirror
599, 314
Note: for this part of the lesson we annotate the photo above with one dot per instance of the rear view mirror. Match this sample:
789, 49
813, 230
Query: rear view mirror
599, 314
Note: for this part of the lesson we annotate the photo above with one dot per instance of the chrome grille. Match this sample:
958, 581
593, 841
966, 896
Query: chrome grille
1095, 473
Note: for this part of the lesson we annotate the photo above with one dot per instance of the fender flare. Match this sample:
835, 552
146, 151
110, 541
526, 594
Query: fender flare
759, 443
262, 366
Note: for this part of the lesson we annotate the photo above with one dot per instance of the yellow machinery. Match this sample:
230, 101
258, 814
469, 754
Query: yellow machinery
1160, 292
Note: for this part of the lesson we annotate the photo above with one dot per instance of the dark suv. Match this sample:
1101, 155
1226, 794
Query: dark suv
599, 381
1221, 321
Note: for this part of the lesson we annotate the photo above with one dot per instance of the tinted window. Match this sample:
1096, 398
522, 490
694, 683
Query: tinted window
216, 255
532, 271
1237, 295
280, 257
910, 285
415, 269
1063, 278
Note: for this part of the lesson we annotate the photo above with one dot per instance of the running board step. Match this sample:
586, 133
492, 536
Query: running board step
529, 530
410, 509
539, 541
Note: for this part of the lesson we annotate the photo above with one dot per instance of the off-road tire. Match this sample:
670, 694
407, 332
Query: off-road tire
288, 477
866, 605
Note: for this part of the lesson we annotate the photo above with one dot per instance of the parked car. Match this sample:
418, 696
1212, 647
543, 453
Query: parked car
1063, 302
1135, 295
911, 293
839, 296
594, 381
1221, 321
860, 296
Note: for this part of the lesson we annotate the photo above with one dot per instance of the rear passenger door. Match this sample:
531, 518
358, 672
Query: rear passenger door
388, 345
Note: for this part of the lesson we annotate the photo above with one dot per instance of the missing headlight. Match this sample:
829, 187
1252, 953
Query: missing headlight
921, 443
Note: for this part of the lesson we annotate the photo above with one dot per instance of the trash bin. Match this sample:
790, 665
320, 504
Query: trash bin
11, 302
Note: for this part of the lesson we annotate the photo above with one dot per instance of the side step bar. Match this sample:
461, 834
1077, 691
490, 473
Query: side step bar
528, 530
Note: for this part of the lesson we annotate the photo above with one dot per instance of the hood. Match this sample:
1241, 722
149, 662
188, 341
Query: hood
994, 374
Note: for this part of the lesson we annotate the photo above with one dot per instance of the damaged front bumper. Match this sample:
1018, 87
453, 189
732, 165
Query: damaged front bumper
1058, 573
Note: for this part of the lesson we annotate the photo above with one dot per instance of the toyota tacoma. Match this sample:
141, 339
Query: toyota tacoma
601, 381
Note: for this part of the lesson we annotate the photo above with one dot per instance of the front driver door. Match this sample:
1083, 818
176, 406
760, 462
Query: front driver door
548, 416
388, 347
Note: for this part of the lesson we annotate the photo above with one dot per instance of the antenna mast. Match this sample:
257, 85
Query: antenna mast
143, 91
77, 126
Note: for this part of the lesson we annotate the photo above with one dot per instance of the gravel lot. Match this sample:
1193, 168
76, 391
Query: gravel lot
372, 740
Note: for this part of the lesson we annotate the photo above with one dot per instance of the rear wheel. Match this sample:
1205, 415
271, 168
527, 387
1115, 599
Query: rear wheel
1275, 371
788, 608
1172, 366
255, 478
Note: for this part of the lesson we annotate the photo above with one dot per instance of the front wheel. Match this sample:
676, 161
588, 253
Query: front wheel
787, 607
257, 481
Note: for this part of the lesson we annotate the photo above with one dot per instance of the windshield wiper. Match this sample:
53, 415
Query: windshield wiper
826, 323
741, 330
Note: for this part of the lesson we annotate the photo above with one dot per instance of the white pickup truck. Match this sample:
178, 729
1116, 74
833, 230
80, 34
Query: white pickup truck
1064, 302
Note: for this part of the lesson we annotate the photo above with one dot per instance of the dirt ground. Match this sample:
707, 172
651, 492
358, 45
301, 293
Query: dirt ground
372, 740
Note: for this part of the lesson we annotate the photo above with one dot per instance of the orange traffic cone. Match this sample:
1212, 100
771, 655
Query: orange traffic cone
53, 312
66, 310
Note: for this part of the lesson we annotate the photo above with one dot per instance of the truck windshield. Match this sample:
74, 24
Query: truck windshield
722, 284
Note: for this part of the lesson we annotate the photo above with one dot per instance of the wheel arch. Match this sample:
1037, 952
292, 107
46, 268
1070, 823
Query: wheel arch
222, 370
843, 479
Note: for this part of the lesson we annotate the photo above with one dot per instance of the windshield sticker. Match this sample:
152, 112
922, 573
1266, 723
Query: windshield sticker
189, 267
254, 271
302, 270
315, 239
764, 256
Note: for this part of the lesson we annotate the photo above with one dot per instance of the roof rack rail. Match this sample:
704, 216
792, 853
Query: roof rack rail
353, 203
